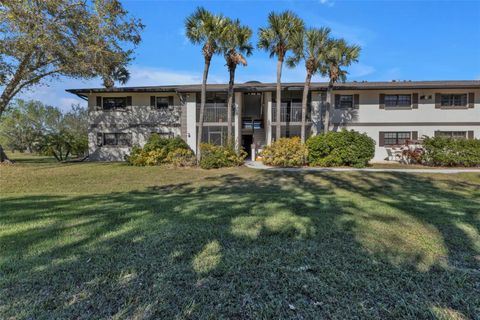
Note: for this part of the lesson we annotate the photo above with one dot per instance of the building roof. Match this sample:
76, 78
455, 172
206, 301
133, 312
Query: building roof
315, 86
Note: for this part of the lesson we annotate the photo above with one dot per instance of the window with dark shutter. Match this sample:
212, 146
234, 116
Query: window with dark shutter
99, 139
398, 101
381, 138
471, 100
344, 101
356, 101
162, 103
99, 103
414, 135
470, 134
453, 100
114, 103
415, 101
381, 101
152, 101
395, 138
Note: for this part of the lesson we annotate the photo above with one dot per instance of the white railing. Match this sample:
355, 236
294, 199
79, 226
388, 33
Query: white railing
213, 112
289, 113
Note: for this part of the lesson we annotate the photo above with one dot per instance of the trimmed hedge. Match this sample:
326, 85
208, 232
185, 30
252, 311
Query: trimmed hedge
441, 151
285, 152
214, 156
342, 148
158, 151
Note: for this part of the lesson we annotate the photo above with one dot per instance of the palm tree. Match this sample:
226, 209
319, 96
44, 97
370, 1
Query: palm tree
203, 27
275, 39
235, 45
309, 46
339, 55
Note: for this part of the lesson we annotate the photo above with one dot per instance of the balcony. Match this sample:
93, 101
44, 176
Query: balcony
289, 112
214, 112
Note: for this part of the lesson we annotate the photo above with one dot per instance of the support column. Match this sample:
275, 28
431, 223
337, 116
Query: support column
238, 119
192, 121
268, 121
317, 103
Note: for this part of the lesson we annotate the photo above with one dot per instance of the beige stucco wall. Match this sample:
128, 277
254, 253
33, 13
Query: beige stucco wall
140, 119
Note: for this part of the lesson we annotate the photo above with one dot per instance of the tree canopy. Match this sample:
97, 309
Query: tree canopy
74, 38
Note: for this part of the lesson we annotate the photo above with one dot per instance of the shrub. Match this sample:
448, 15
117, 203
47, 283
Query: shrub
285, 152
441, 151
343, 148
181, 157
214, 156
159, 150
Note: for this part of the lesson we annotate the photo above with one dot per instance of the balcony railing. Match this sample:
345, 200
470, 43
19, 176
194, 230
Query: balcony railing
289, 112
214, 112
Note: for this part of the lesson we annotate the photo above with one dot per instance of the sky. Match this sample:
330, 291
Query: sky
401, 40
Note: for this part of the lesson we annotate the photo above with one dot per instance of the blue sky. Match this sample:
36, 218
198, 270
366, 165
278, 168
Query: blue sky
407, 40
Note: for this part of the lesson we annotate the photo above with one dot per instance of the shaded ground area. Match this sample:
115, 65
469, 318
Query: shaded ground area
112, 241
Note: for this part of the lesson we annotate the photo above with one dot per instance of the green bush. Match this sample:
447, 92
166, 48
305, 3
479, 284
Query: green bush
285, 152
441, 151
181, 157
343, 148
159, 150
214, 156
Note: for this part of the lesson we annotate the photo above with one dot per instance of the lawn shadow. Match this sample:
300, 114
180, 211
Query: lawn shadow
279, 244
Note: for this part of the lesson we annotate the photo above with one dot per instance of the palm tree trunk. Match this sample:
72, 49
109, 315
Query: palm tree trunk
308, 79
278, 99
231, 82
326, 122
202, 105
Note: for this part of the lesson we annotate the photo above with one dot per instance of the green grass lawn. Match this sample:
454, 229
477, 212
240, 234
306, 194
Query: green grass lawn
99, 240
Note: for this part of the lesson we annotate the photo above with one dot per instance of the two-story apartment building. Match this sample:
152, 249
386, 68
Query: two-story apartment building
389, 112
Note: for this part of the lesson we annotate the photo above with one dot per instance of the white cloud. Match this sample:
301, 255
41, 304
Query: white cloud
360, 70
148, 76
329, 3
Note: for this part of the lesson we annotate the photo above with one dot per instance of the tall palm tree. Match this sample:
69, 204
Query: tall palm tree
235, 45
204, 28
309, 46
339, 55
276, 39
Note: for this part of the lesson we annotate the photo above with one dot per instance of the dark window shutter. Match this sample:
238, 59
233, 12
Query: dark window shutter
99, 103
381, 138
415, 101
414, 135
356, 101
470, 134
381, 101
152, 101
99, 139
437, 101
170, 101
337, 101
471, 99
436, 133
129, 101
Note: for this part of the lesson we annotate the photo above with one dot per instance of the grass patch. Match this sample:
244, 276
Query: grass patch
107, 240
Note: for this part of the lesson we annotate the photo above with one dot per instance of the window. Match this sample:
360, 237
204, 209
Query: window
453, 100
345, 101
452, 134
116, 139
396, 138
163, 103
398, 100
215, 137
114, 103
